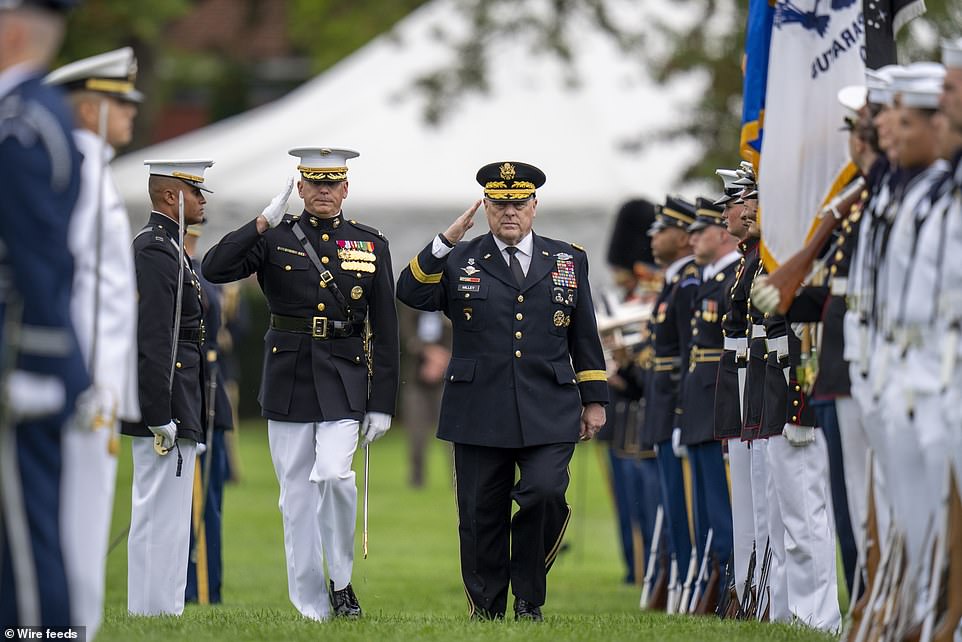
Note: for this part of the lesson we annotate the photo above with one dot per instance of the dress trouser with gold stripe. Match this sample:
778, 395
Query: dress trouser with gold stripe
496, 548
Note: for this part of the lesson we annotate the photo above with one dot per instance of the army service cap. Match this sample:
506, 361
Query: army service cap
707, 213
112, 73
323, 164
510, 180
189, 171
676, 212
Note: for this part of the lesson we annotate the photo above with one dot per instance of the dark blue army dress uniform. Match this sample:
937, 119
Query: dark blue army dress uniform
316, 338
671, 334
711, 502
41, 169
205, 573
525, 359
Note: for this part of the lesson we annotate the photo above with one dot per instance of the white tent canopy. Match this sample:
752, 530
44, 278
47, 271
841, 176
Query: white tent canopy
413, 178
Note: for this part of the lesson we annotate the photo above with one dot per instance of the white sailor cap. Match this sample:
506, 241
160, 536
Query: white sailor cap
112, 73
323, 164
878, 85
189, 171
907, 77
952, 53
852, 98
922, 94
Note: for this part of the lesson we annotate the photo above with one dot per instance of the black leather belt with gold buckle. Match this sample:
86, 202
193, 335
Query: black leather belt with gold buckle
317, 327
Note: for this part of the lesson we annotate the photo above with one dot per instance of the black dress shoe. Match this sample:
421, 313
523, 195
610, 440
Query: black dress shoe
344, 602
524, 610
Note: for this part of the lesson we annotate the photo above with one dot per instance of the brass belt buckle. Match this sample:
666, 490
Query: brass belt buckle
319, 322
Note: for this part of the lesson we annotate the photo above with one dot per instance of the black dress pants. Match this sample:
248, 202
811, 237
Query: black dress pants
497, 548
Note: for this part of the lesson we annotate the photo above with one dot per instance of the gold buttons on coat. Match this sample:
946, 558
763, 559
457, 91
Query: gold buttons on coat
325, 237
179, 365
320, 307
519, 316
517, 353
517, 335
325, 260
795, 402
274, 349
520, 298
287, 268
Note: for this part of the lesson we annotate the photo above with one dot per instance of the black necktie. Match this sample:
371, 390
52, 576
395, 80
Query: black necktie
515, 265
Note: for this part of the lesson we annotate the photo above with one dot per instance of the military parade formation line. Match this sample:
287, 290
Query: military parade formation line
863, 357
802, 378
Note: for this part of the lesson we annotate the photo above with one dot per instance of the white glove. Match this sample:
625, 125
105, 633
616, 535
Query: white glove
765, 296
33, 395
373, 426
95, 409
201, 448
168, 434
676, 445
798, 436
274, 211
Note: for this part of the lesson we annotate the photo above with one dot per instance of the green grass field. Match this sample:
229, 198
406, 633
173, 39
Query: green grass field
409, 586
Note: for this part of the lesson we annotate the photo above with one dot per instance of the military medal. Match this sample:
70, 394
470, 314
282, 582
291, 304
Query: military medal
564, 274
558, 318
357, 292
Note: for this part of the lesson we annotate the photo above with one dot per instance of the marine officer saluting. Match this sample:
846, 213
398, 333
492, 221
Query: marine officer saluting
325, 278
526, 379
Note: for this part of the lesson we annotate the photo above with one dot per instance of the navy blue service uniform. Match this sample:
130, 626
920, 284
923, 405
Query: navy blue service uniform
315, 337
41, 169
711, 502
671, 334
524, 361
157, 259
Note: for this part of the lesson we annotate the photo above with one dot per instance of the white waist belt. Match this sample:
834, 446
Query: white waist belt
738, 344
839, 286
758, 331
779, 345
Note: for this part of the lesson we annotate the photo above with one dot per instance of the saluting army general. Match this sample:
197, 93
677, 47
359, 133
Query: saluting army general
526, 380
104, 309
170, 371
326, 279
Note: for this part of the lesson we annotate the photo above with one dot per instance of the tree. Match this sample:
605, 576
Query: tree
710, 42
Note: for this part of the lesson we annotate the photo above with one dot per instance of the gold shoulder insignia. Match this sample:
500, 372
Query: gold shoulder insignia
577, 247
691, 270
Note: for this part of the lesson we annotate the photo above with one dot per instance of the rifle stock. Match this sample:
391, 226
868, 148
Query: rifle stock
792, 273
